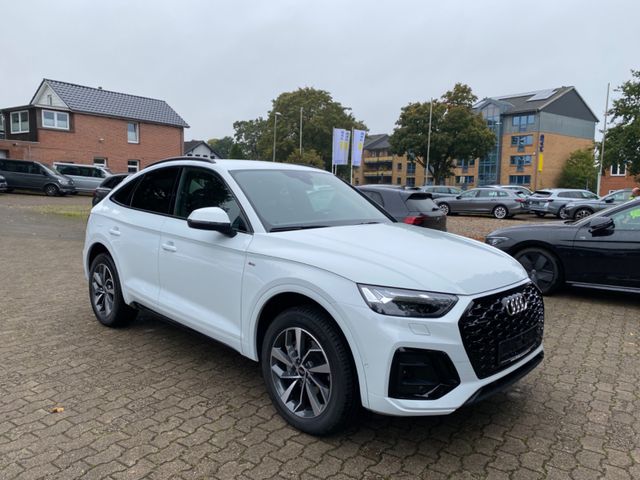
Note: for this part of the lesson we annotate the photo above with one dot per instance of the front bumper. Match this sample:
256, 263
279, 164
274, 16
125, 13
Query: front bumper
67, 188
380, 337
547, 207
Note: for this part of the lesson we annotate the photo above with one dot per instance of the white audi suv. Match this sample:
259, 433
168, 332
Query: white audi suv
294, 268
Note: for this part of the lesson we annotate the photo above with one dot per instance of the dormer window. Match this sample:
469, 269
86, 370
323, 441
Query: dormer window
20, 122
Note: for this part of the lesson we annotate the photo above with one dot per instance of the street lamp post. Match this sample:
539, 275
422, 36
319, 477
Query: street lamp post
300, 134
426, 170
275, 126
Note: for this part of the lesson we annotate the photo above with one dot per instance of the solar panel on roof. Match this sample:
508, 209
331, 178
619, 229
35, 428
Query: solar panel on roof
542, 95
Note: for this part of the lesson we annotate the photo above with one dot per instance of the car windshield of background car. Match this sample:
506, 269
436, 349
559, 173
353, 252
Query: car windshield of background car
296, 199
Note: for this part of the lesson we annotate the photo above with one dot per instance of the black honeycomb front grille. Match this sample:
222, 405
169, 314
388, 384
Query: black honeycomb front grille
494, 339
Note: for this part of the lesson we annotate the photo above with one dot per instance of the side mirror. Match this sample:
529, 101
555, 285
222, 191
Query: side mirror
458, 197
211, 218
609, 200
600, 224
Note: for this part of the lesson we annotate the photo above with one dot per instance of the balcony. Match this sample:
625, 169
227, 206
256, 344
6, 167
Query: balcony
377, 173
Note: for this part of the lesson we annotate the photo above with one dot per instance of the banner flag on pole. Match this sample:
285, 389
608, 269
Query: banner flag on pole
340, 152
357, 146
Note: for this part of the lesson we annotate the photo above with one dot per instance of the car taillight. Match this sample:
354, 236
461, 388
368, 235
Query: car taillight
521, 200
414, 220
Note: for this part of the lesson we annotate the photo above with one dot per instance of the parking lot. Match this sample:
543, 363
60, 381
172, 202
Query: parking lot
78, 400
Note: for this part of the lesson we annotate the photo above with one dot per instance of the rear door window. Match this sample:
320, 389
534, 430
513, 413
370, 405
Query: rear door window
375, 196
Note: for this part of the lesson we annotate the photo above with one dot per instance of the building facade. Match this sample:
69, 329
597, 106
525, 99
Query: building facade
535, 134
72, 123
617, 177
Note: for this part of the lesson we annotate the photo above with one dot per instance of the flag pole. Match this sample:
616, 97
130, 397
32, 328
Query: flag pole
351, 175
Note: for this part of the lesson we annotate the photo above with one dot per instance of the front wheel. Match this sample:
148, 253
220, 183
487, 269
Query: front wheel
562, 214
51, 190
308, 371
542, 267
500, 212
105, 293
582, 213
445, 208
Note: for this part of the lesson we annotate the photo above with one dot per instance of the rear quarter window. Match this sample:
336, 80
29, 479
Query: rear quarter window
420, 203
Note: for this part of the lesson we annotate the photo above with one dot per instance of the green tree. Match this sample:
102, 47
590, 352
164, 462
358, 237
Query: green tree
309, 157
579, 171
222, 146
320, 114
248, 134
457, 132
236, 152
622, 144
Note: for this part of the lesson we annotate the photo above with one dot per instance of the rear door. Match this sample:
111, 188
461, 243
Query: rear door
611, 257
465, 203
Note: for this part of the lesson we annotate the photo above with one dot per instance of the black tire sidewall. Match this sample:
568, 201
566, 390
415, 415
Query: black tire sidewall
121, 314
343, 378
556, 265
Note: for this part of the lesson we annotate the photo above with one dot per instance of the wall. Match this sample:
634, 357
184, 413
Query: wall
95, 136
201, 151
609, 183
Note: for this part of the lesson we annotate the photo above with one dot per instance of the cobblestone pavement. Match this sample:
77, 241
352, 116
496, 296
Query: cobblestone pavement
156, 401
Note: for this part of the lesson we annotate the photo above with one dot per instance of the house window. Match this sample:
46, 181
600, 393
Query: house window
133, 166
20, 122
521, 141
51, 119
411, 168
463, 179
519, 179
1, 125
399, 181
522, 121
411, 182
100, 162
399, 167
132, 133
619, 170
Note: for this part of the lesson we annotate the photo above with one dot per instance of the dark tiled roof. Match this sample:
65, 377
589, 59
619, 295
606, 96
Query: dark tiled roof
531, 101
113, 104
377, 142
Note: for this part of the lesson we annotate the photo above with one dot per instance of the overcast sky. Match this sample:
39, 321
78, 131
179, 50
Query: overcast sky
216, 62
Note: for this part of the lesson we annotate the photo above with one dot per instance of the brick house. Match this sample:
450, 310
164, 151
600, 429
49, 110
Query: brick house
616, 177
74, 123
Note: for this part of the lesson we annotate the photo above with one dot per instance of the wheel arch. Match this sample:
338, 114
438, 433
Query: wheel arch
283, 300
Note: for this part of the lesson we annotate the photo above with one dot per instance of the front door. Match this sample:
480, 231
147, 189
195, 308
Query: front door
610, 257
200, 270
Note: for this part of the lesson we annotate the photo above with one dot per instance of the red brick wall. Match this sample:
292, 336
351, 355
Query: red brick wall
94, 136
609, 182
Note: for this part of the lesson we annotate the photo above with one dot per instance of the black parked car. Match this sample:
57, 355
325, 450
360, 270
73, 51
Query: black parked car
3, 184
600, 251
408, 205
106, 186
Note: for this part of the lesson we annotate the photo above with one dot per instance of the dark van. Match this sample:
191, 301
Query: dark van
30, 175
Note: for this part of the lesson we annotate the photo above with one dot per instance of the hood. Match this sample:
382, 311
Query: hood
396, 255
504, 232
588, 202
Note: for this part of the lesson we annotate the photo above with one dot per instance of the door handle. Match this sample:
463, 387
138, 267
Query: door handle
169, 247
115, 231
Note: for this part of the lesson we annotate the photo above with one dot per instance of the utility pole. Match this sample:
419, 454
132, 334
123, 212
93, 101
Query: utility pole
300, 134
275, 126
604, 137
426, 173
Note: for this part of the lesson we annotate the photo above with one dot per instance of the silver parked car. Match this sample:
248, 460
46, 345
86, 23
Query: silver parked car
553, 200
439, 191
579, 209
518, 188
85, 177
499, 202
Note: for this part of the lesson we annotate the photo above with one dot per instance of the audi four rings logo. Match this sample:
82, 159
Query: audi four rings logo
515, 304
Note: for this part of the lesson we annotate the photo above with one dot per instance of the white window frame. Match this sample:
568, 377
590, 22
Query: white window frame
100, 162
130, 166
137, 126
56, 120
19, 121
624, 170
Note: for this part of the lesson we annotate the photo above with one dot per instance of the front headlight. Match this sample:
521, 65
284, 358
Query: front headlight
494, 241
399, 302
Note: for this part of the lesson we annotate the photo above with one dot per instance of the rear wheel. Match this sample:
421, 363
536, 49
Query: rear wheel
445, 208
542, 267
582, 213
51, 190
500, 212
106, 294
562, 214
308, 371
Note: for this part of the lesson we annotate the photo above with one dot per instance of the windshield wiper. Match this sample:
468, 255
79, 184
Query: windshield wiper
296, 227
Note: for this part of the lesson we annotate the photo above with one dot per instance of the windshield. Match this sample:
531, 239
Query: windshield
296, 199
48, 169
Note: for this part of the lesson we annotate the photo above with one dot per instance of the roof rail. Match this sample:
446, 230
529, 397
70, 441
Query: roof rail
173, 159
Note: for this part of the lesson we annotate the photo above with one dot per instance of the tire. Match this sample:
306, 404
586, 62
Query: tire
9, 190
51, 190
582, 213
105, 294
540, 214
542, 267
562, 214
445, 208
317, 402
500, 212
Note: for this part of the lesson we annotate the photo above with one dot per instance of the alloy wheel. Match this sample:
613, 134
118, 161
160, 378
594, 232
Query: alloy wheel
300, 372
500, 212
541, 269
563, 214
445, 208
582, 213
103, 290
